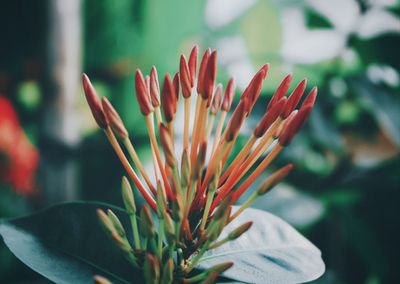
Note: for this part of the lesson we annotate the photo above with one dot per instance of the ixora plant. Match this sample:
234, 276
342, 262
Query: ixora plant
188, 231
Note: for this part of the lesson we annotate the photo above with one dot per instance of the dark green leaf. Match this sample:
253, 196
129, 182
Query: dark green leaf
270, 252
66, 244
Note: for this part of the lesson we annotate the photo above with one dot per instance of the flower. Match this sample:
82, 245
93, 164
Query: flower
193, 202
18, 157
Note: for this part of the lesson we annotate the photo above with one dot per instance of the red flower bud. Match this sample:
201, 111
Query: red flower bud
94, 102
202, 71
142, 94
185, 77
209, 77
269, 117
176, 83
294, 98
217, 98
168, 99
193, 64
294, 125
310, 99
114, 118
154, 87
238, 116
228, 96
280, 91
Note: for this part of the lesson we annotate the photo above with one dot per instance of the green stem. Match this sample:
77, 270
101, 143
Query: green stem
135, 231
160, 237
207, 210
196, 259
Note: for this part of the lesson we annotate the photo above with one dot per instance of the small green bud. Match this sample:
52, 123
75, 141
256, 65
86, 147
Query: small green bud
168, 272
185, 169
105, 221
239, 231
273, 179
101, 280
222, 267
151, 269
147, 224
116, 222
220, 212
211, 278
160, 202
127, 196
177, 210
215, 179
169, 228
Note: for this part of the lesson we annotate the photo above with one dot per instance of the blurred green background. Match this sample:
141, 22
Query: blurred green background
344, 192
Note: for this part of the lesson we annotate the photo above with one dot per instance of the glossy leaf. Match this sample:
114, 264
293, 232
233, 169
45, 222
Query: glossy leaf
270, 252
66, 244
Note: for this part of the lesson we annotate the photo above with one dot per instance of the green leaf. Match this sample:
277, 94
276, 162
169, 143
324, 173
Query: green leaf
270, 252
66, 244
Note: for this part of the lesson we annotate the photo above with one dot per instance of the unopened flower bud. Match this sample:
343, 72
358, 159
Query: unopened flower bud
238, 116
167, 145
209, 77
116, 222
185, 169
239, 231
274, 179
176, 83
114, 118
168, 272
105, 221
101, 280
198, 165
295, 125
94, 102
211, 278
151, 269
169, 228
161, 206
202, 71
154, 87
222, 267
228, 96
128, 197
168, 99
142, 94
280, 91
192, 64
294, 98
185, 77
270, 116
177, 209
147, 224
216, 101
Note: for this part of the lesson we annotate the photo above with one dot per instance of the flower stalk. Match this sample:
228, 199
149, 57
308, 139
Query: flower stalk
192, 194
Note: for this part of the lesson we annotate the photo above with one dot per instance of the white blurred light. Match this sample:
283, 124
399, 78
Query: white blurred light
221, 12
337, 87
343, 14
383, 74
383, 3
234, 55
377, 21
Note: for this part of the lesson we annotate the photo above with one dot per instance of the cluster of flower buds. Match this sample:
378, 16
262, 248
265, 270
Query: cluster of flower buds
192, 194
